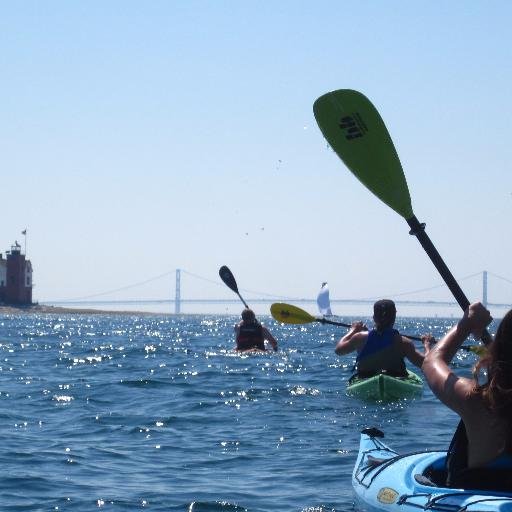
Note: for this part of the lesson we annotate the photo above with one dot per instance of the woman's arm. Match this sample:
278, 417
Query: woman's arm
414, 355
450, 389
353, 340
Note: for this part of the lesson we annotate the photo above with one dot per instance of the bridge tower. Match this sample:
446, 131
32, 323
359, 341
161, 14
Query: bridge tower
484, 288
177, 299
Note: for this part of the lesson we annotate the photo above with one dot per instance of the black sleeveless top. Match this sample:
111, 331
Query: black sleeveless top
496, 475
250, 336
379, 355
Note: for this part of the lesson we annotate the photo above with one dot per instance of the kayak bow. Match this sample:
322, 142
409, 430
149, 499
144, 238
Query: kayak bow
385, 387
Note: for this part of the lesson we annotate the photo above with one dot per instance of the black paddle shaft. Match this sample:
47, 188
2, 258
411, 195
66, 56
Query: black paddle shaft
418, 230
331, 322
325, 321
243, 301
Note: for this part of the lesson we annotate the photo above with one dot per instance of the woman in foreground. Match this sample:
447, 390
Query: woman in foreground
482, 443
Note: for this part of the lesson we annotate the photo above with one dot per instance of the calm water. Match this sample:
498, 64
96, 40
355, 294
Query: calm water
157, 413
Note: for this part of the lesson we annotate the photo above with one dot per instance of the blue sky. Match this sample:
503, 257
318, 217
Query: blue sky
141, 137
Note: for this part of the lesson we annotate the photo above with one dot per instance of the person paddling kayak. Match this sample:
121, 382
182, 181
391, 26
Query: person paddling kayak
480, 454
382, 349
251, 335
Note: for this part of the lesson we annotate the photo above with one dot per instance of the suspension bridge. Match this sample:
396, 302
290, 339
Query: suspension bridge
177, 300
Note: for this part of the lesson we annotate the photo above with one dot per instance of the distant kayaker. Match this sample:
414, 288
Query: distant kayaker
382, 349
483, 440
251, 335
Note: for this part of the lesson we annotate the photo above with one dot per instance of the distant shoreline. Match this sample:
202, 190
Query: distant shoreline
40, 309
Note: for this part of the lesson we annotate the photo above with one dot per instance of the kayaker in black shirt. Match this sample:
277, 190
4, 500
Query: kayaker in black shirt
482, 443
251, 335
382, 349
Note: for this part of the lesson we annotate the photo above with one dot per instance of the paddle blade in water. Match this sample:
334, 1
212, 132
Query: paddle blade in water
290, 314
354, 129
228, 278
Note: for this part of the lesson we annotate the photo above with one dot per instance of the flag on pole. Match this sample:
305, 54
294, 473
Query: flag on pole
24, 232
323, 301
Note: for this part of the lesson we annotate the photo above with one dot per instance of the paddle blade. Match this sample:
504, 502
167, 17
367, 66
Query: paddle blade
228, 278
479, 350
356, 132
290, 314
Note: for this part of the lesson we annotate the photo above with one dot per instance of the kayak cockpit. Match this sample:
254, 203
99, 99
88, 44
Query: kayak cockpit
485, 480
434, 475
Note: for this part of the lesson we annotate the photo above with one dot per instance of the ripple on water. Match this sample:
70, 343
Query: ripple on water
159, 413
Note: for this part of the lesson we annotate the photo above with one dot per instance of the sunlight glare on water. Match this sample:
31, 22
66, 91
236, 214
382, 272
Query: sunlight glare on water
158, 413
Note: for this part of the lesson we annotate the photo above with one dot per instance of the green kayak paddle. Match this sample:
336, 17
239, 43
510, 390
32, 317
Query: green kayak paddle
356, 132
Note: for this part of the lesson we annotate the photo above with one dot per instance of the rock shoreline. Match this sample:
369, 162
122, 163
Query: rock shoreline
43, 309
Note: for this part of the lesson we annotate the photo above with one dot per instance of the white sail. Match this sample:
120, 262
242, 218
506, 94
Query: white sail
323, 301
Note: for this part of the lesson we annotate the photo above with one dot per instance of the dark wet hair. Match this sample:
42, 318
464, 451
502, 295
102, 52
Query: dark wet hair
384, 313
497, 393
248, 315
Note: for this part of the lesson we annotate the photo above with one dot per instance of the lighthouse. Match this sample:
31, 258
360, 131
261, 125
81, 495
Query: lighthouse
15, 277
